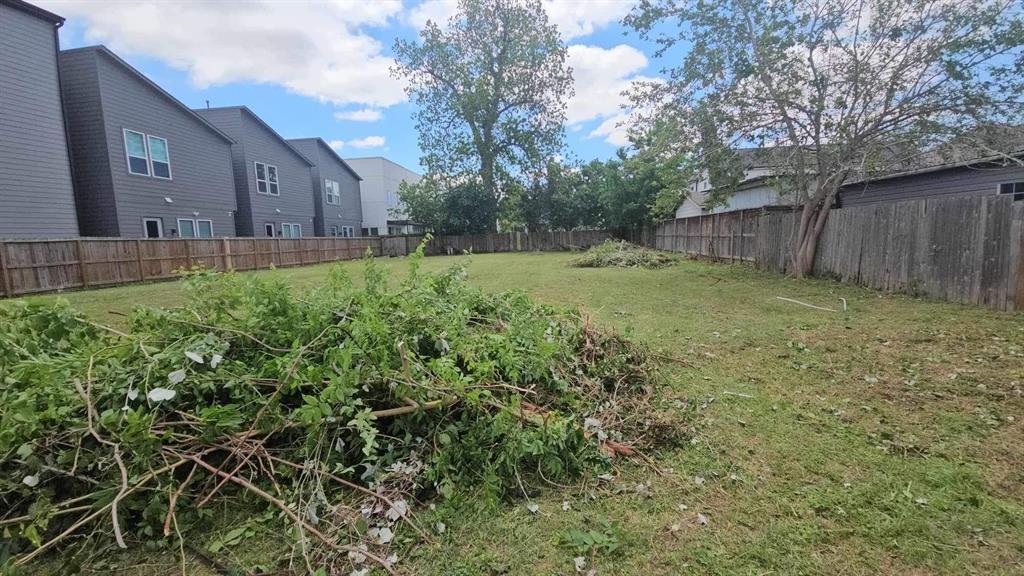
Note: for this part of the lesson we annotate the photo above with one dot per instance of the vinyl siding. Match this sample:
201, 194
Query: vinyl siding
202, 180
94, 187
350, 211
978, 181
36, 193
257, 144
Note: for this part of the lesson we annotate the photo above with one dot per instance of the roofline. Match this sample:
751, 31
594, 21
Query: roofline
101, 49
34, 11
284, 140
386, 159
320, 140
937, 168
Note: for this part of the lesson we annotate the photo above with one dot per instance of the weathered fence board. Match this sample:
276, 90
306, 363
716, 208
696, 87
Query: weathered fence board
727, 236
961, 249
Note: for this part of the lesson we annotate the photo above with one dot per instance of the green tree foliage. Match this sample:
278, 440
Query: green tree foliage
842, 89
491, 90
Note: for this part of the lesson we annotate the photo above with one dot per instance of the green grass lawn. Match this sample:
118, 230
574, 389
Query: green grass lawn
887, 438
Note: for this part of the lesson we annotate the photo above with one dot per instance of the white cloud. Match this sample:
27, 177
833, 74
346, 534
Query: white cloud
601, 76
361, 115
574, 18
316, 49
368, 142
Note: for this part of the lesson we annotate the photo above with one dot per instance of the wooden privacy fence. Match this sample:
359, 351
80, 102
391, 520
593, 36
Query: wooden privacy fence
962, 249
727, 236
967, 249
36, 266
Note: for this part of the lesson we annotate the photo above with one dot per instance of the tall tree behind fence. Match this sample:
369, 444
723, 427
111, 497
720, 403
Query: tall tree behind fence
35, 266
966, 249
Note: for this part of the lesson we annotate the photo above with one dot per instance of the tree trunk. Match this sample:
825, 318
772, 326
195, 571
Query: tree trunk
490, 186
805, 243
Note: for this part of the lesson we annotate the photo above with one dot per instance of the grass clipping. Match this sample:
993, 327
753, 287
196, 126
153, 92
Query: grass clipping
622, 254
337, 409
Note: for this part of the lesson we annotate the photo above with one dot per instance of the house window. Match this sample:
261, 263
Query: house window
266, 179
348, 231
334, 230
159, 157
1016, 189
135, 148
186, 228
333, 191
374, 232
189, 228
268, 228
291, 230
147, 155
365, 232
153, 227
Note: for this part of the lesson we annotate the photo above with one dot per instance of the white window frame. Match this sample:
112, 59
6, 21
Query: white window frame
195, 227
335, 231
159, 226
349, 231
1014, 194
149, 154
332, 190
273, 229
276, 181
291, 229
194, 230
145, 150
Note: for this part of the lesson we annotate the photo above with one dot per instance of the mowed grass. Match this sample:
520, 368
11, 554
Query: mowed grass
884, 439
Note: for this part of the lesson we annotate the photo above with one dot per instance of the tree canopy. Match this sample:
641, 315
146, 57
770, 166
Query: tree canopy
491, 89
840, 89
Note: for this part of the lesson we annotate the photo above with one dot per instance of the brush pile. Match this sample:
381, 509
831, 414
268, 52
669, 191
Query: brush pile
337, 409
622, 254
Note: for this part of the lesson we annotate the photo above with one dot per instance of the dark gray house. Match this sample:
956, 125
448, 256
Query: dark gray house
273, 183
146, 165
335, 190
36, 187
978, 177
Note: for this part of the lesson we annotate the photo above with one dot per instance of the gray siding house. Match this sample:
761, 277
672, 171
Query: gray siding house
146, 166
36, 186
273, 183
335, 190
981, 177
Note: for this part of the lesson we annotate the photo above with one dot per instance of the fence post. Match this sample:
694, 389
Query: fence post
277, 252
226, 245
81, 264
138, 259
4, 271
255, 254
741, 235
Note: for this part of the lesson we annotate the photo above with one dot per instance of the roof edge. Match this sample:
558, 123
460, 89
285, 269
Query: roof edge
320, 141
34, 10
101, 49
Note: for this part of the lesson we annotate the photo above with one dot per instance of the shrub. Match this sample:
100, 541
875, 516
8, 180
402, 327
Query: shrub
431, 386
622, 254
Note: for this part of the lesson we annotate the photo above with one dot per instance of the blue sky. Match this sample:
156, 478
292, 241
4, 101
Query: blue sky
321, 68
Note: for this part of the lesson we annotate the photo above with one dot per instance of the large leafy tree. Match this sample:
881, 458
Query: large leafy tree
490, 89
840, 88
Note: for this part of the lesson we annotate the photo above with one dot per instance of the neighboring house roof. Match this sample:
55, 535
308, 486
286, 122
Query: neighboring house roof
100, 49
267, 127
34, 11
996, 160
327, 146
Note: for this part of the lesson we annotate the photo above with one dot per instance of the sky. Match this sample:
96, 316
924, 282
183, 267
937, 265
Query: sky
321, 68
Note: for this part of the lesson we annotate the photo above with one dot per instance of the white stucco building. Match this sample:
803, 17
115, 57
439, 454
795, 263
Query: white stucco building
383, 213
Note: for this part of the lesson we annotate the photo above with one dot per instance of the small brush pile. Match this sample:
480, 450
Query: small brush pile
622, 254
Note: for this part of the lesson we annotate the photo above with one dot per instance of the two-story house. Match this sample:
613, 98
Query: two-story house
273, 182
36, 187
336, 195
145, 165
383, 211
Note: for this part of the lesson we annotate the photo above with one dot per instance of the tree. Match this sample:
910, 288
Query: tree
447, 207
840, 88
491, 91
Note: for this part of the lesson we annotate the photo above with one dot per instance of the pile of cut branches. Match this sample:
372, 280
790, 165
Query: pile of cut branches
622, 254
337, 408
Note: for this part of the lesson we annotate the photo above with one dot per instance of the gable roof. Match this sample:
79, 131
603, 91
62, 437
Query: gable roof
267, 127
100, 49
34, 11
320, 142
